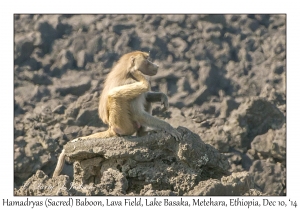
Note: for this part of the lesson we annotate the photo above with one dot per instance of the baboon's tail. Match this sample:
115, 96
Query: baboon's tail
61, 159
104, 134
60, 163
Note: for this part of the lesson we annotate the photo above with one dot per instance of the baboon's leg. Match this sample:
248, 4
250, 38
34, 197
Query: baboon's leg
149, 121
142, 131
119, 116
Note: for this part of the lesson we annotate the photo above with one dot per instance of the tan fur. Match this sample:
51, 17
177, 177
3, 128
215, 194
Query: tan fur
118, 76
124, 85
123, 104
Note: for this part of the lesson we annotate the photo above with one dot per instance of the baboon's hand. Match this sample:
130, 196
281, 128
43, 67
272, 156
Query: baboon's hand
174, 133
137, 74
165, 102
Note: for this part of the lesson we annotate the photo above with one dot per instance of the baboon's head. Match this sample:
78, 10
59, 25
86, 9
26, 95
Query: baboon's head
140, 60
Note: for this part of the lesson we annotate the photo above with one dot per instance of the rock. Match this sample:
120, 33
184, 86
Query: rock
38, 78
178, 45
78, 86
254, 25
78, 44
215, 136
234, 185
31, 93
149, 191
18, 109
122, 42
212, 32
72, 111
84, 111
25, 45
227, 106
26, 48
48, 34
57, 135
253, 117
64, 61
108, 165
198, 97
118, 28
60, 109
270, 177
271, 144
190, 140
108, 59
40, 184
82, 59
214, 18
71, 132
60, 27
279, 68
212, 78
135, 157
88, 117
94, 45
278, 150
19, 130
28, 162
176, 18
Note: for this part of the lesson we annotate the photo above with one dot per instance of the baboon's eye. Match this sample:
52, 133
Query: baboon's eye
148, 58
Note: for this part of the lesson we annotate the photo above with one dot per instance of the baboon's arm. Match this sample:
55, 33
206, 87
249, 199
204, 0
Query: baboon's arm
158, 97
155, 96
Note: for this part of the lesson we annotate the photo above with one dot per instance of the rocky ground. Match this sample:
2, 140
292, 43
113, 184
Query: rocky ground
225, 76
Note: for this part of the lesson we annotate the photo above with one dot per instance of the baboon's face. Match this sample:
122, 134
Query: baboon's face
143, 64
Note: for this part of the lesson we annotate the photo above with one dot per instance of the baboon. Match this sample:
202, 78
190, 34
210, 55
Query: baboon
125, 102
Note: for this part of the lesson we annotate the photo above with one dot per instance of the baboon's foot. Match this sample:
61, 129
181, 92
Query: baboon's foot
176, 134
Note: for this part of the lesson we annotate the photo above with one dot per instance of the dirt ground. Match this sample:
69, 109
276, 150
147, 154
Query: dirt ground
225, 76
